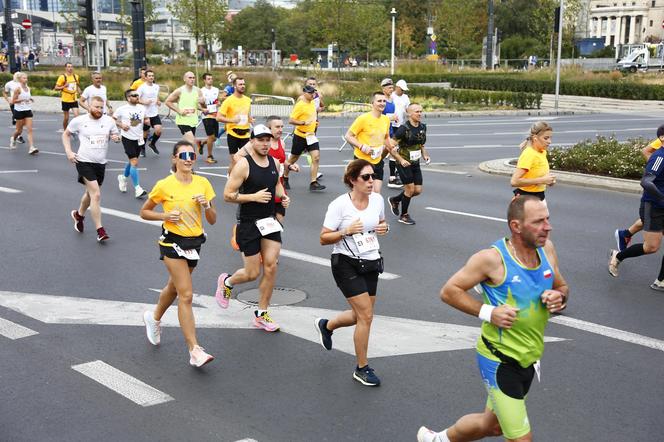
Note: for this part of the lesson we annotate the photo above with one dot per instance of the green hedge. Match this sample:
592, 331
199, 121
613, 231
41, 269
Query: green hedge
603, 156
519, 100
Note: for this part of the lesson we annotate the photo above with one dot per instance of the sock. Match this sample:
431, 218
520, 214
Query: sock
631, 252
628, 234
227, 282
442, 437
259, 312
399, 197
127, 169
154, 139
134, 175
405, 202
393, 168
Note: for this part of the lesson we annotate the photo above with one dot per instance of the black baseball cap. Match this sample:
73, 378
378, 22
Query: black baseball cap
308, 89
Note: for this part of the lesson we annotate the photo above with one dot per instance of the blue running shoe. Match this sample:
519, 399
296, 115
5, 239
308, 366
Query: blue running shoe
366, 376
622, 239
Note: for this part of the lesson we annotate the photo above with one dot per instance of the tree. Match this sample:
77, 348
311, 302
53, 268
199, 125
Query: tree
204, 18
462, 24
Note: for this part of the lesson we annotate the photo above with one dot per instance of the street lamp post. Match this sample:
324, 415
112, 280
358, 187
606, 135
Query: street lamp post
560, 43
393, 13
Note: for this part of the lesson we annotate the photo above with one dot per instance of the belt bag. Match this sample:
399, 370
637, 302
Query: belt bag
185, 242
361, 266
240, 131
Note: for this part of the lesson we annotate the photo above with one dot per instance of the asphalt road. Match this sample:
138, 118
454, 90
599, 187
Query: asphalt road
600, 382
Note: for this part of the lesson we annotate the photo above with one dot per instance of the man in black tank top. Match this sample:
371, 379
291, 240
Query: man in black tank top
253, 183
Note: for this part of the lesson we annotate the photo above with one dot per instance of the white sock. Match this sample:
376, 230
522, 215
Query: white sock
227, 283
259, 312
441, 437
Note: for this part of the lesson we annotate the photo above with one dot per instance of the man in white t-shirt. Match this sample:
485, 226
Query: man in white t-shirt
211, 97
93, 130
7, 93
130, 119
148, 96
401, 103
96, 89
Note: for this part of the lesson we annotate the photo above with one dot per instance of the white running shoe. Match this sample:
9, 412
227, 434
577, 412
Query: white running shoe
426, 435
33, 150
198, 357
613, 263
12, 143
152, 328
122, 183
139, 192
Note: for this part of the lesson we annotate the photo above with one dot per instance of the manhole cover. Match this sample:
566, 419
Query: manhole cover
280, 296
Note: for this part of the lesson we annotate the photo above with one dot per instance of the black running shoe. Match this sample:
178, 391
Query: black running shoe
406, 219
324, 334
153, 147
316, 187
394, 205
20, 139
366, 376
143, 150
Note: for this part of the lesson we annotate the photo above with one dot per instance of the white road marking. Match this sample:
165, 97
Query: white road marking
212, 174
583, 131
121, 169
453, 172
9, 190
246, 440
212, 167
19, 171
128, 216
11, 330
120, 382
472, 215
62, 154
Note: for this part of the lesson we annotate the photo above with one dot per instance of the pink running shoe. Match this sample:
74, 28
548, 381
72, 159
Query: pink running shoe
198, 357
223, 293
265, 322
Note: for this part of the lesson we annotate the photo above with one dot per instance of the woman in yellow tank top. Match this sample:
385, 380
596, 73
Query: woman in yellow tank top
532, 175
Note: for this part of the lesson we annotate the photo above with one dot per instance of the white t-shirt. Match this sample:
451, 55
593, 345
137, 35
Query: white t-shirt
149, 93
211, 97
133, 116
10, 86
401, 103
341, 213
23, 96
92, 91
93, 136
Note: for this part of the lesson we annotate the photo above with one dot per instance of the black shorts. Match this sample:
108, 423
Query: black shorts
155, 121
248, 238
411, 174
539, 195
211, 126
169, 252
279, 209
131, 148
184, 129
21, 115
379, 169
652, 217
66, 106
235, 143
300, 145
91, 172
350, 282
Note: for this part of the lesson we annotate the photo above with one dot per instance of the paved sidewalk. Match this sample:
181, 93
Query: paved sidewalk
503, 167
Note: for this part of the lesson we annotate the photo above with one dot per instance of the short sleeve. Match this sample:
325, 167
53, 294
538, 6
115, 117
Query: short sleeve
224, 107
656, 144
157, 194
526, 160
400, 133
86, 93
60, 81
209, 190
297, 110
382, 210
357, 125
332, 216
74, 126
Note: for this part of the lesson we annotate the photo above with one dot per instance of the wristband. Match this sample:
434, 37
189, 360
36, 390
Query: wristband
207, 206
485, 312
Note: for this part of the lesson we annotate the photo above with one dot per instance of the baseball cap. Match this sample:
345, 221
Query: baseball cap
309, 89
402, 84
261, 130
386, 82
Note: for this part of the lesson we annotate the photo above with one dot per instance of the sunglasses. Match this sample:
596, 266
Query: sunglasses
187, 156
133, 95
368, 176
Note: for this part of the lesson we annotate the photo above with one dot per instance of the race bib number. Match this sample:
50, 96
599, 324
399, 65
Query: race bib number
98, 141
366, 242
269, 225
191, 255
311, 139
211, 108
376, 152
415, 155
71, 87
244, 119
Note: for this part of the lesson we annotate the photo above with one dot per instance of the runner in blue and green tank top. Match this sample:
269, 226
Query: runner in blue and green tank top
185, 101
521, 286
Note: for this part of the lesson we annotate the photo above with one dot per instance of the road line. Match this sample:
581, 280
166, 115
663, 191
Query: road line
325, 262
11, 330
212, 167
212, 174
128, 216
9, 190
19, 171
609, 332
128, 386
472, 215
453, 172
62, 154
582, 131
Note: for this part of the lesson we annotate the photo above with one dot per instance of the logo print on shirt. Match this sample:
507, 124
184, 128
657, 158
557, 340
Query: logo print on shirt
547, 274
516, 279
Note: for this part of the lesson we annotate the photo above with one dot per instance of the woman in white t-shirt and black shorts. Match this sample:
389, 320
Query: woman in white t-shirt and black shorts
22, 101
352, 223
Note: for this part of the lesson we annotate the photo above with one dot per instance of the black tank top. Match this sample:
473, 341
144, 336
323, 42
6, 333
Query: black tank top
259, 178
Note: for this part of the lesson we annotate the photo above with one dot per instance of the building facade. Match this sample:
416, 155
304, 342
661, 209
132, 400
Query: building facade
626, 21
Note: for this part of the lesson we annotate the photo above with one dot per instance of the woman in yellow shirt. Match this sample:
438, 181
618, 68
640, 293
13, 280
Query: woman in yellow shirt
184, 197
531, 175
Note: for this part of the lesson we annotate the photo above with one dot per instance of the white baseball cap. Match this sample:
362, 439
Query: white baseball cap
260, 130
402, 84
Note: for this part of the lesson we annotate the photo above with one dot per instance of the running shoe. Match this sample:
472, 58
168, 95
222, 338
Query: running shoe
324, 334
122, 183
234, 243
152, 328
316, 187
12, 143
319, 175
153, 147
366, 376
622, 238
210, 160
657, 285
139, 192
392, 183
394, 205
613, 263
286, 185
223, 293
426, 435
20, 139
406, 219
33, 150
102, 235
143, 151
78, 221
198, 357
265, 322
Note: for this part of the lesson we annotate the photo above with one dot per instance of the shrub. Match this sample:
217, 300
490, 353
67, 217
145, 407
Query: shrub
519, 100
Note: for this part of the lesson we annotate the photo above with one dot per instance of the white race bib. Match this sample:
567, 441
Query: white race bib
98, 141
71, 87
211, 108
244, 119
269, 225
311, 139
191, 254
415, 155
376, 152
366, 242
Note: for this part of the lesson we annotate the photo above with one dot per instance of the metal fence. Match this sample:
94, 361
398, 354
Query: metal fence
350, 109
266, 105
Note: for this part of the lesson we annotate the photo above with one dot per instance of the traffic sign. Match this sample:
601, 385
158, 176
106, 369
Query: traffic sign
27, 24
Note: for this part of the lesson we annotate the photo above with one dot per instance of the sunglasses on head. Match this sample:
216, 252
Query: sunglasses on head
187, 156
366, 176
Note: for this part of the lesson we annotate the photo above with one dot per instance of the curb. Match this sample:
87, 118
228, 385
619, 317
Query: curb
503, 167
494, 113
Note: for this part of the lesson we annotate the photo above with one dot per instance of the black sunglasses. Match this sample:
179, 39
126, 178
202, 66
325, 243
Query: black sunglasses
133, 95
187, 156
366, 176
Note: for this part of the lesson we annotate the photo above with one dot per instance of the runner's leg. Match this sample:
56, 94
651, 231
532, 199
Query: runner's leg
93, 191
270, 252
181, 277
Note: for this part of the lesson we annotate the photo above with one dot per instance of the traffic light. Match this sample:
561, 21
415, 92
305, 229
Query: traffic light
86, 11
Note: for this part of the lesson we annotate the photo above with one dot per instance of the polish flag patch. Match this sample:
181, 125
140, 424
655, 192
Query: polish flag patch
547, 274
